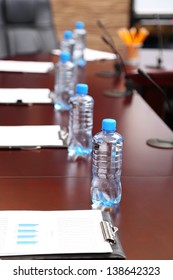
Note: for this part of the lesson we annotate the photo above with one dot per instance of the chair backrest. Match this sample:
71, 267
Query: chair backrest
26, 26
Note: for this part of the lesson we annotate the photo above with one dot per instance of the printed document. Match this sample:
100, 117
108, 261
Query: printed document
51, 232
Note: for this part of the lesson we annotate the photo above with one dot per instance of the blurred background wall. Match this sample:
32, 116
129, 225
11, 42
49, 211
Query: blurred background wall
113, 13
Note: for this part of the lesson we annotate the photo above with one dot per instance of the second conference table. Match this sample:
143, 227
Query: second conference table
46, 180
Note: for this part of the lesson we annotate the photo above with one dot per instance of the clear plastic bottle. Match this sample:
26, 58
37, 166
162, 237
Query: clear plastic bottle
80, 124
65, 77
107, 148
67, 43
79, 34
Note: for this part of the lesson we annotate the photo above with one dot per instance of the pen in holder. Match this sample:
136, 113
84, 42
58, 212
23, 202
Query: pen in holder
132, 40
131, 54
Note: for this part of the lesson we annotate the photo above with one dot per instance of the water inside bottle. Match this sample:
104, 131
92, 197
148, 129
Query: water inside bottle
80, 146
106, 168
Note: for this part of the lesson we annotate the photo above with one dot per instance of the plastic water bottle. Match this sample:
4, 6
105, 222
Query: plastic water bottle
80, 124
79, 35
107, 148
64, 82
67, 43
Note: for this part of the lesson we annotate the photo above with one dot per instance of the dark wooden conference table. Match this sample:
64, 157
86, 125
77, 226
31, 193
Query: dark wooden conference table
46, 180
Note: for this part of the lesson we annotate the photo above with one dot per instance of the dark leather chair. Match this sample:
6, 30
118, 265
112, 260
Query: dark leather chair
26, 26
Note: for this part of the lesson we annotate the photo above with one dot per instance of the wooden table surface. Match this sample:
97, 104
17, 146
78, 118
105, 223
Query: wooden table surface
46, 180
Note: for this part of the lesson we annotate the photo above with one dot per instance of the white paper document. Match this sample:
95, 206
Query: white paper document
51, 232
25, 66
25, 95
34, 136
92, 55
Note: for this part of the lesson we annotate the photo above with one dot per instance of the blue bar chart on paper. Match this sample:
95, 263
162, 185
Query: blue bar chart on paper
27, 234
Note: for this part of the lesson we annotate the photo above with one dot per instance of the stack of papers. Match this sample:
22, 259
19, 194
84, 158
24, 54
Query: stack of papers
25, 66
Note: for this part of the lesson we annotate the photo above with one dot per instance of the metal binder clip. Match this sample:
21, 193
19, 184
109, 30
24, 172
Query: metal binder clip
19, 101
63, 135
51, 96
108, 231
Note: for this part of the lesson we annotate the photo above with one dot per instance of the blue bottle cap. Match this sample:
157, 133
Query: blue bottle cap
81, 89
79, 25
109, 124
65, 56
67, 34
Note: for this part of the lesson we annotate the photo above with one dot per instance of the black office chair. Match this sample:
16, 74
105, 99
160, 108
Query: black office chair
26, 27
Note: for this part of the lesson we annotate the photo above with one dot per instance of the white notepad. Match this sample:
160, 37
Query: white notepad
25, 66
52, 232
25, 95
32, 136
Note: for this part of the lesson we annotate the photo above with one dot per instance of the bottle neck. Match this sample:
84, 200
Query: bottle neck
108, 131
81, 94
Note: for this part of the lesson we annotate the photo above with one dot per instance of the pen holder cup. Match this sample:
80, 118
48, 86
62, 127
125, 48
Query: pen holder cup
131, 55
